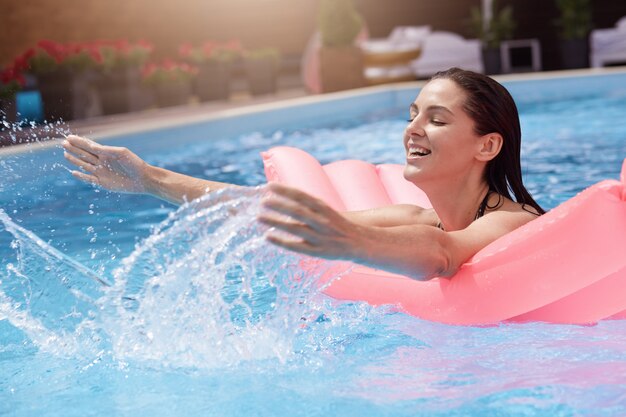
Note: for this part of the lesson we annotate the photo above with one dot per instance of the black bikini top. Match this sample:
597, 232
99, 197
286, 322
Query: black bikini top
479, 213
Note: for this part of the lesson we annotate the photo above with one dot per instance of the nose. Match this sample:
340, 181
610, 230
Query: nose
414, 128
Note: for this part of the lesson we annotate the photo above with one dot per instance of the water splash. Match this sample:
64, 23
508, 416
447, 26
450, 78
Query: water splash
204, 290
46, 294
26, 132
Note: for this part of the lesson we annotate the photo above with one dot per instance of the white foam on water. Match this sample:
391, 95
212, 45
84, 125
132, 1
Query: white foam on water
204, 290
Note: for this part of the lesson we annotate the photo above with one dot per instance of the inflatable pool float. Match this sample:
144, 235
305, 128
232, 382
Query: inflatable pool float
567, 266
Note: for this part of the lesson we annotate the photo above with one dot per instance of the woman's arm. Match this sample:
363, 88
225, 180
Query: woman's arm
119, 169
419, 251
395, 215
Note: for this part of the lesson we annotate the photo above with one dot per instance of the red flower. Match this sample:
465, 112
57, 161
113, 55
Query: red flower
21, 79
5, 76
145, 45
54, 49
233, 45
96, 55
148, 69
185, 50
122, 46
11, 74
21, 63
208, 48
168, 71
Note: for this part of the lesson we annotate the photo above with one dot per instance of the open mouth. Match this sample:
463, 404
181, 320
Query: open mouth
418, 152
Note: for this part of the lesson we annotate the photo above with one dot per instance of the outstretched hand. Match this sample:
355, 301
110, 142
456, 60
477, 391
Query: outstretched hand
111, 167
309, 226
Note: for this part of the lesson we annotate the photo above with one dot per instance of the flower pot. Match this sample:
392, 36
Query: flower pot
574, 53
65, 95
8, 113
261, 75
121, 91
174, 93
57, 95
213, 81
112, 87
341, 68
492, 60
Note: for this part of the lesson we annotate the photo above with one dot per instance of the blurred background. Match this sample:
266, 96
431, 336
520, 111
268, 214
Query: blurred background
80, 48
285, 24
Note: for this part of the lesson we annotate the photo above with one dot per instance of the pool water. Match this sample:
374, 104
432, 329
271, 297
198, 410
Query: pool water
124, 305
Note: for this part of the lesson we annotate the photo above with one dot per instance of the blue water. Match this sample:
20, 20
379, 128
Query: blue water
123, 305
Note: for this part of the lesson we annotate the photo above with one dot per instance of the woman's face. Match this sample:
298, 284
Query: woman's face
440, 141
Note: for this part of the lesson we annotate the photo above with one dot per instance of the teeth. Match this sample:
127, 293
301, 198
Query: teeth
418, 150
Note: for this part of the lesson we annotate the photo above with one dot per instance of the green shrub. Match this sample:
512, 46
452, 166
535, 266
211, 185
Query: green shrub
575, 18
339, 22
500, 28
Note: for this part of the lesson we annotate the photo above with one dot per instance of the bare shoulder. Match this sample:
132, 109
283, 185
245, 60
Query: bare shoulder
395, 215
517, 213
502, 216
499, 220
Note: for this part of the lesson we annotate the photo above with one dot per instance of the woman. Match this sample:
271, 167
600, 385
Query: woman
462, 149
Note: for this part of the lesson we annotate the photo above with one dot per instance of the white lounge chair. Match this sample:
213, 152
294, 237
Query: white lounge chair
439, 51
388, 60
442, 50
608, 46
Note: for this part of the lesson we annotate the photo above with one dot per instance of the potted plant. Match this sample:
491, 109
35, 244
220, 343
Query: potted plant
213, 61
492, 32
574, 24
261, 70
11, 81
119, 85
171, 82
341, 61
62, 80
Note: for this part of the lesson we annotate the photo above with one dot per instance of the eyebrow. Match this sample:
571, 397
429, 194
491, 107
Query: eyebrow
414, 108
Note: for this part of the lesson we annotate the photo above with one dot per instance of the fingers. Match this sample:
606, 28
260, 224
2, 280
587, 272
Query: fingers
315, 204
302, 207
77, 153
86, 177
84, 144
292, 245
80, 153
289, 208
81, 163
294, 228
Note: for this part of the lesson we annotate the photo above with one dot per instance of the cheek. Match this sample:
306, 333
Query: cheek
454, 142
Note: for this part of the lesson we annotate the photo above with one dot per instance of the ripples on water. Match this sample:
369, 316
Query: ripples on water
117, 304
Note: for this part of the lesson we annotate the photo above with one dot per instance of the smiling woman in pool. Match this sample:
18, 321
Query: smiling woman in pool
462, 149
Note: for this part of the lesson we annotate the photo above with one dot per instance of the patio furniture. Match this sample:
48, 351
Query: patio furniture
386, 62
608, 46
442, 50
439, 51
520, 55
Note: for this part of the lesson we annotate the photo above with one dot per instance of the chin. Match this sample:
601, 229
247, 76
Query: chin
412, 174
417, 176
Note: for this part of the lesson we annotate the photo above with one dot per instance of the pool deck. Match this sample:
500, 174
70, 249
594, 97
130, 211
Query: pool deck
103, 126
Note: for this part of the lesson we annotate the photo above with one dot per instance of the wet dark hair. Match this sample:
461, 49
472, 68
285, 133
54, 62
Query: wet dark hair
492, 109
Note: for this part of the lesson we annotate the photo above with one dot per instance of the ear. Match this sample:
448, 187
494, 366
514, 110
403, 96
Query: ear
489, 146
